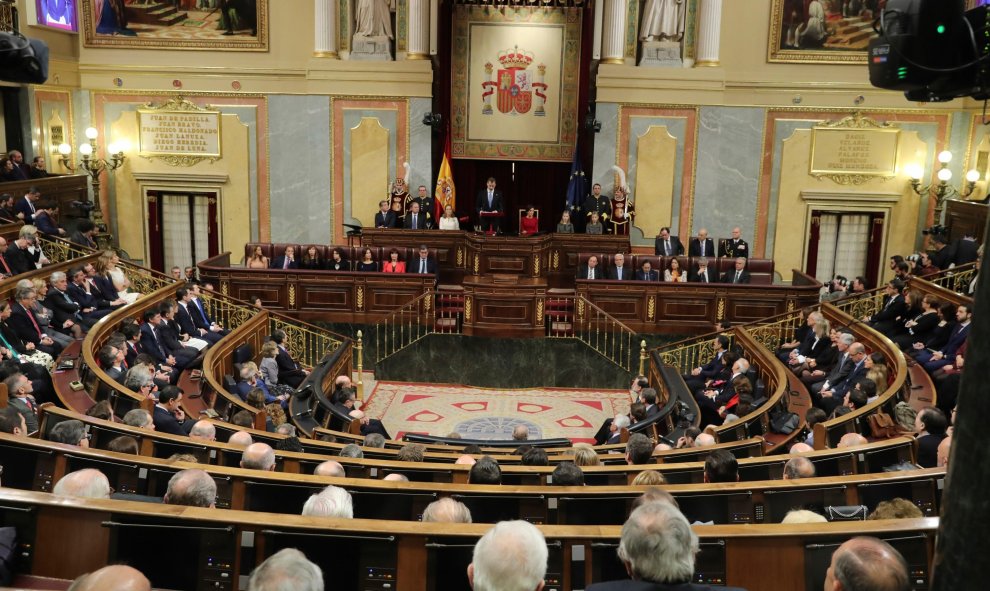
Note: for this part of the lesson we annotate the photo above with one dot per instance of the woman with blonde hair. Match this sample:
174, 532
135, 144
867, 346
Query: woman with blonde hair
63, 335
876, 370
585, 456
110, 279
649, 478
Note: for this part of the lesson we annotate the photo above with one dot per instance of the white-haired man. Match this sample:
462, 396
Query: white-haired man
512, 556
286, 569
87, 483
332, 501
658, 548
192, 488
446, 510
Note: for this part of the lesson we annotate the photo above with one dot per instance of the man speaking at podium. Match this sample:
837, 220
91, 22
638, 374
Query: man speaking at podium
489, 200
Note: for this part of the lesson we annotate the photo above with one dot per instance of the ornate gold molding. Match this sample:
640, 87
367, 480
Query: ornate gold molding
651, 307
855, 121
468, 302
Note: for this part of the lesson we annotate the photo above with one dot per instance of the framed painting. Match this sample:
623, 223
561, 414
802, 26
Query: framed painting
821, 31
226, 25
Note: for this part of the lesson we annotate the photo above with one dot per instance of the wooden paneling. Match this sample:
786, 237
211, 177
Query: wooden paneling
964, 218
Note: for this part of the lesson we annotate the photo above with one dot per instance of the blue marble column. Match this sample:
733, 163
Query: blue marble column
299, 168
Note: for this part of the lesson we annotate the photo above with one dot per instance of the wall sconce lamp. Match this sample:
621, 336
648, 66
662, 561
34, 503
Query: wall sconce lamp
941, 190
94, 166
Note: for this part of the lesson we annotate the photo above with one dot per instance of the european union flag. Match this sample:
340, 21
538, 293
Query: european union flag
577, 186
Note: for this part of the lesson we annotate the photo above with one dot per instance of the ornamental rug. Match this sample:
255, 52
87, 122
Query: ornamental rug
490, 413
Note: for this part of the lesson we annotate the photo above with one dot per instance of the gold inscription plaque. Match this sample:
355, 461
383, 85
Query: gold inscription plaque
854, 150
179, 132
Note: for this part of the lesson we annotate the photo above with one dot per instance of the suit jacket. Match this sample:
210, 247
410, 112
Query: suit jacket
599, 272
185, 321
285, 362
927, 449
964, 252
412, 265
840, 370
62, 309
165, 422
45, 224
244, 388
735, 248
892, 309
943, 258
956, 340
627, 273
648, 586
20, 321
695, 276
85, 299
858, 373
386, 220
10, 335
279, 263
22, 206
152, 344
199, 314
651, 276
105, 287
694, 248
81, 239
676, 248
420, 221
21, 260
30, 417
133, 350
481, 202
712, 368
730, 275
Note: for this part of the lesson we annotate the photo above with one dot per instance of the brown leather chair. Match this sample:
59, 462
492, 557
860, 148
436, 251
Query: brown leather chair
760, 271
266, 249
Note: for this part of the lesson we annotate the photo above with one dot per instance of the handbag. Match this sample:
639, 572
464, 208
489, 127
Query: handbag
882, 426
784, 422
846, 512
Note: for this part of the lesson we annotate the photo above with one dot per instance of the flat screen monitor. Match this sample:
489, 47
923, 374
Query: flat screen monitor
57, 14
716, 508
348, 561
206, 553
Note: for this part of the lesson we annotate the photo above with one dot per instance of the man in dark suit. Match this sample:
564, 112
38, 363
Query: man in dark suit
65, 311
83, 234
837, 372
834, 395
947, 354
22, 171
415, 219
114, 362
619, 271
18, 255
652, 526
287, 260
591, 270
26, 204
667, 245
423, 263
702, 274
648, 396
152, 344
735, 247
385, 218
289, 372
489, 200
646, 273
885, 320
169, 416
699, 375
702, 246
26, 325
737, 275
81, 291
964, 250
187, 324
132, 342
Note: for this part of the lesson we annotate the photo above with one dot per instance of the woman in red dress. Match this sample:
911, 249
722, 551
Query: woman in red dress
393, 264
530, 224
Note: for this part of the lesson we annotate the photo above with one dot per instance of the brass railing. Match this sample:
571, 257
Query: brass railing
691, 354
956, 279
406, 325
773, 334
227, 311
609, 337
865, 304
309, 344
59, 251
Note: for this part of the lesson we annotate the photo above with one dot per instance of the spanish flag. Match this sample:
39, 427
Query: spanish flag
445, 193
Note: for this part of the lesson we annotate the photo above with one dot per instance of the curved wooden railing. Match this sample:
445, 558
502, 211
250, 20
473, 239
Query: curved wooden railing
218, 362
855, 422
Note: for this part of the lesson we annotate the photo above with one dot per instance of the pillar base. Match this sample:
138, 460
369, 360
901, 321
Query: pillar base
417, 56
707, 64
326, 54
612, 60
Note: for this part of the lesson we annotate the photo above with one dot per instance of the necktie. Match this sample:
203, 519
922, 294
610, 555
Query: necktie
199, 306
13, 352
30, 203
34, 322
704, 276
737, 277
618, 272
285, 265
414, 225
422, 265
666, 248
489, 199
591, 272
154, 333
702, 247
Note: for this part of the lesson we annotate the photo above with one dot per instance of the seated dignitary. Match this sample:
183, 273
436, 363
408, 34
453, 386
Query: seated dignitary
591, 270
619, 271
737, 275
647, 273
866, 564
289, 372
344, 402
658, 549
286, 569
512, 556
192, 488
168, 415
25, 324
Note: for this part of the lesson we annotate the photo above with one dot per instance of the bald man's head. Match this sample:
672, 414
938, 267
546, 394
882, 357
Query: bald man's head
330, 468
258, 456
112, 578
704, 440
798, 448
88, 483
799, 467
866, 564
241, 439
466, 460
204, 430
851, 439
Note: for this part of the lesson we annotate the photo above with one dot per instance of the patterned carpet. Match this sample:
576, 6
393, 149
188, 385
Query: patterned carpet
484, 413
